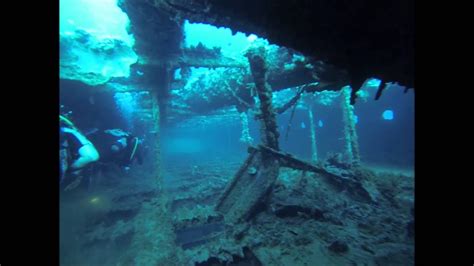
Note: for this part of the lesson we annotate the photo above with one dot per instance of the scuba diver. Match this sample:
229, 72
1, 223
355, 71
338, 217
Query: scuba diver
118, 147
75, 151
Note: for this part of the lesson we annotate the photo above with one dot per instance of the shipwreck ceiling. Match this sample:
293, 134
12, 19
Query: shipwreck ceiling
367, 38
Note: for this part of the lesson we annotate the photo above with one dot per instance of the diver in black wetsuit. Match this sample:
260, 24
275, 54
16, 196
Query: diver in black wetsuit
118, 147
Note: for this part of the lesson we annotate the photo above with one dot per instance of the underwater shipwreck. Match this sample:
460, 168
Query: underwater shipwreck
272, 132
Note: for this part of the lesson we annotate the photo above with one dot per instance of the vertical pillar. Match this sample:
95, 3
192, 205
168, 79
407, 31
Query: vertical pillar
269, 133
156, 141
350, 133
314, 151
253, 183
153, 216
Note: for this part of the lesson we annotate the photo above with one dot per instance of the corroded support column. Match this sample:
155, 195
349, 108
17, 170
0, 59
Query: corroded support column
350, 133
156, 141
248, 191
314, 151
154, 215
269, 133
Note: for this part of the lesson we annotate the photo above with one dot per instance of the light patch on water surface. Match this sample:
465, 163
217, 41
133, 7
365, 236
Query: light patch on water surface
94, 42
388, 115
231, 45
